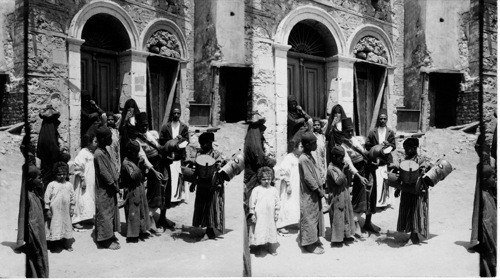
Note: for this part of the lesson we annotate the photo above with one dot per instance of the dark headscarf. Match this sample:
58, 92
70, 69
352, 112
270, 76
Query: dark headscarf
332, 133
128, 104
206, 137
411, 142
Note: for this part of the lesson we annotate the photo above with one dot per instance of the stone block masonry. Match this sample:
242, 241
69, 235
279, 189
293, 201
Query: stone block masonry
54, 53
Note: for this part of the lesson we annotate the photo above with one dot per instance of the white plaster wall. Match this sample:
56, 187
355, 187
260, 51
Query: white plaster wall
230, 23
443, 37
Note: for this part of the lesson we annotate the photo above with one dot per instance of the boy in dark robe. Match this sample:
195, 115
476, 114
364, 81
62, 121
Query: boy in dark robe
340, 208
209, 203
414, 206
107, 218
311, 192
136, 204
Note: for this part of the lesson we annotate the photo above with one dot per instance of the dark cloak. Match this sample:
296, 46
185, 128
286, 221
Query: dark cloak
136, 205
36, 245
48, 144
107, 218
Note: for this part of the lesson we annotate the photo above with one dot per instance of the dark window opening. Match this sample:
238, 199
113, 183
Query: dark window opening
235, 93
443, 96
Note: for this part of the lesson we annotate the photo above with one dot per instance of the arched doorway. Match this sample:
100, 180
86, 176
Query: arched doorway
311, 44
100, 59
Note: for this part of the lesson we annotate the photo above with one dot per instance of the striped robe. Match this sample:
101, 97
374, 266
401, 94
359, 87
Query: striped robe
414, 208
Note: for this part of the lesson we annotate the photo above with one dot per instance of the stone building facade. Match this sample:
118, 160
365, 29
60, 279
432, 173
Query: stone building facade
441, 61
274, 50
106, 48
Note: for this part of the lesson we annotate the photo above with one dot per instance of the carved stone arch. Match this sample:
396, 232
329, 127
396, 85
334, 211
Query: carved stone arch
170, 27
103, 7
309, 13
373, 31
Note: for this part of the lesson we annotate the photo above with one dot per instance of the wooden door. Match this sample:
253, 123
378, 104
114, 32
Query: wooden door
99, 79
368, 82
161, 76
306, 81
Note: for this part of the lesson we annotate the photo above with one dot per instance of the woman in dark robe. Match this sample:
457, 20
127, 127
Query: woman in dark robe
36, 245
128, 123
255, 156
333, 133
48, 143
107, 218
297, 120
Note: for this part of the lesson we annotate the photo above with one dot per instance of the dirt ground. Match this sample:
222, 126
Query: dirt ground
443, 255
178, 253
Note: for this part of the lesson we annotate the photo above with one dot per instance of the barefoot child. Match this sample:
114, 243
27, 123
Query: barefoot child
264, 211
60, 203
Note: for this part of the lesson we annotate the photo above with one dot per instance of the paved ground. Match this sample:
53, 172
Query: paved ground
179, 253
444, 254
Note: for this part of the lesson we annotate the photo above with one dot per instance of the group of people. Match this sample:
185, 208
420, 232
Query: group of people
328, 170
121, 164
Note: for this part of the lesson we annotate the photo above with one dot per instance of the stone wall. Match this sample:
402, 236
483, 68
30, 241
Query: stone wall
489, 61
436, 40
11, 110
207, 49
263, 18
48, 54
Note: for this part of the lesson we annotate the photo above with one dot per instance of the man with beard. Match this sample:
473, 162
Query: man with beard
107, 218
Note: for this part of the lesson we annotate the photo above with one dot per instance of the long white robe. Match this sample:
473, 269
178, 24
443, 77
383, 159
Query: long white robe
84, 197
179, 193
288, 171
384, 196
264, 202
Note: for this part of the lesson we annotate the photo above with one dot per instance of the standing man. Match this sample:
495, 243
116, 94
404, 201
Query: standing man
311, 192
382, 135
174, 129
107, 217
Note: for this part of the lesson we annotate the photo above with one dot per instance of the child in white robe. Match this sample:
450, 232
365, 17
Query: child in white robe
288, 186
59, 204
84, 182
264, 212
